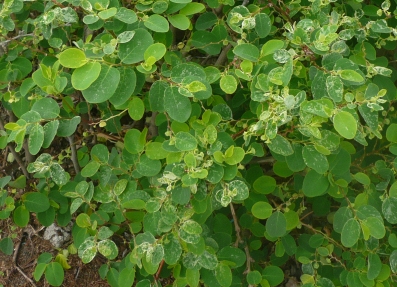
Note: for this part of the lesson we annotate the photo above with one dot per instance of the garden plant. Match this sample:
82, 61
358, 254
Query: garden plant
203, 143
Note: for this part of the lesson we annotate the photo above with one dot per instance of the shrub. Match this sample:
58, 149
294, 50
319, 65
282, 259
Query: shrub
224, 141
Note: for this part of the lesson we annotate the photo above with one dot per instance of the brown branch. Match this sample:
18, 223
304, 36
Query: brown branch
157, 275
281, 11
223, 56
74, 154
236, 226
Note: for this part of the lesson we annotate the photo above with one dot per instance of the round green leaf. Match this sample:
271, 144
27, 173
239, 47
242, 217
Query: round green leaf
179, 21
157, 23
223, 275
90, 169
345, 124
100, 90
54, 274
273, 274
374, 266
262, 210
376, 227
48, 108
108, 249
125, 87
176, 105
280, 145
134, 141
87, 250
184, 141
241, 188
126, 277
228, 84
389, 209
136, 108
314, 159
247, 51
36, 202
232, 254
156, 50
254, 277
84, 76
276, 224
133, 51
36, 139
391, 133
7, 246
350, 233
351, 75
72, 58
314, 184
21, 216
147, 166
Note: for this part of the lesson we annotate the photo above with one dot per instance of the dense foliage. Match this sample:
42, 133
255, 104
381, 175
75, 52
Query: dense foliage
216, 143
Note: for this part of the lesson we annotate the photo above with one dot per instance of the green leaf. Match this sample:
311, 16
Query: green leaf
6, 246
228, 84
314, 184
262, 210
156, 50
87, 250
72, 58
126, 277
362, 178
223, 275
273, 274
100, 90
39, 271
108, 13
314, 159
374, 266
208, 260
389, 209
176, 105
265, 184
108, 249
172, 250
276, 224
54, 274
68, 127
36, 202
126, 15
134, 141
83, 77
184, 141
262, 25
391, 133
191, 227
184, 70
241, 188
206, 41
345, 124
351, 75
281, 145
136, 108
133, 51
179, 21
157, 23
48, 108
393, 261
126, 86
350, 233
147, 166
376, 227
21, 216
233, 254
193, 277
90, 169
36, 139
335, 88
247, 51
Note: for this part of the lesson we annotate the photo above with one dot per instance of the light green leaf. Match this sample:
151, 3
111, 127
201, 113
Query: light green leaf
314, 159
241, 188
108, 249
389, 209
391, 133
108, 13
156, 50
351, 75
273, 274
335, 88
262, 210
120, 186
90, 169
84, 76
126, 15
83, 220
350, 233
179, 21
147, 166
345, 124
223, 275
157, 23
72, 58
247, 51
126, 277
393, 261
374, 266
134, 141
228, 84
281, 145
87, 250
136, 108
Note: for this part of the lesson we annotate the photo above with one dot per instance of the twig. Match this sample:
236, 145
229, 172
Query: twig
152, 125
157, 275
223, 56
74, 154
14, 260
4, 43
236, 226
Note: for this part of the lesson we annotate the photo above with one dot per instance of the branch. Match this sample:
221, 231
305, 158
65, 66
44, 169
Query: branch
74, 154
236, 226
6, 42
223, 56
